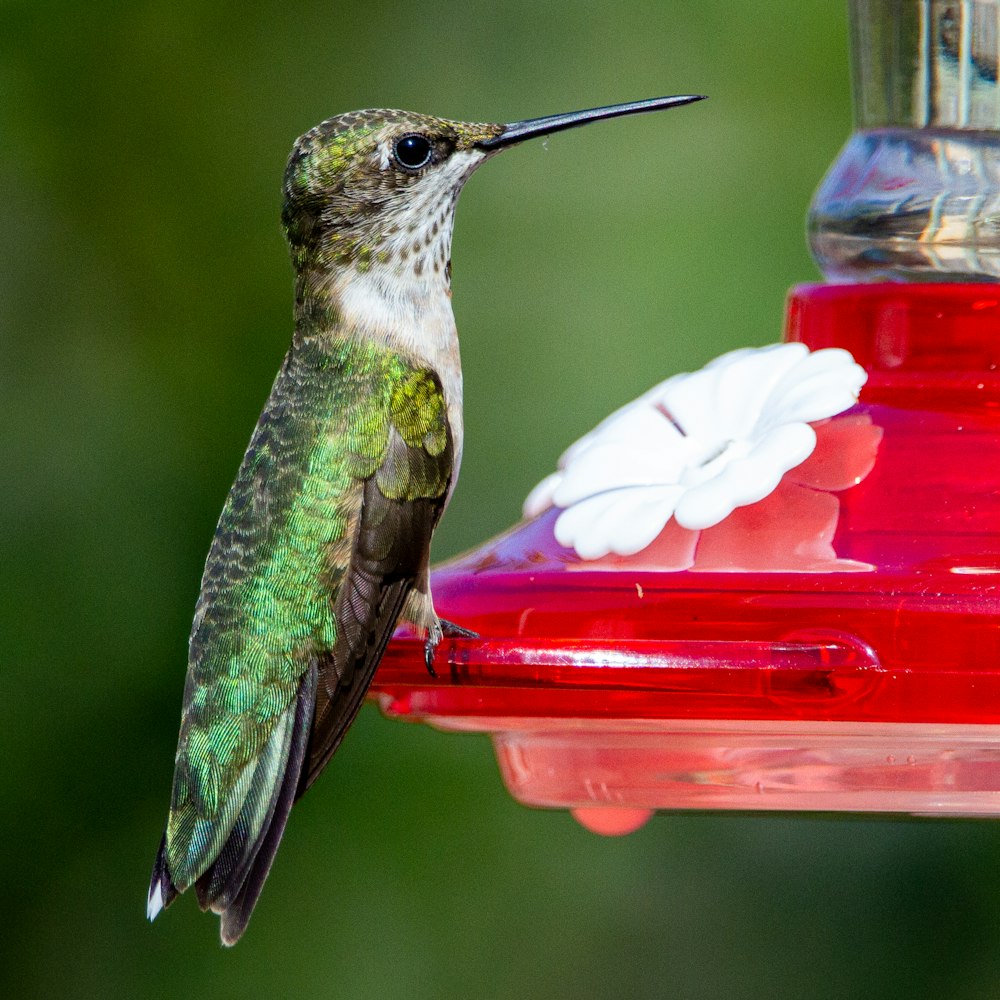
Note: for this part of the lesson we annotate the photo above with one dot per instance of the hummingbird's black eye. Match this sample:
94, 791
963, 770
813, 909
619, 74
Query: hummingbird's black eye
412, 152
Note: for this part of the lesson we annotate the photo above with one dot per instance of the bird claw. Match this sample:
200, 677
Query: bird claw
436, 633
454, 631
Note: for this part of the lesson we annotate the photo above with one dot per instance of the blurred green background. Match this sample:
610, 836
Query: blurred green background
145, 302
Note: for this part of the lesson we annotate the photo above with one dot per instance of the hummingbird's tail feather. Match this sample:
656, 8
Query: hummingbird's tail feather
232, 885
162, 891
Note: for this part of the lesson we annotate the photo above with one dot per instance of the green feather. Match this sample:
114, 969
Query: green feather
279, 554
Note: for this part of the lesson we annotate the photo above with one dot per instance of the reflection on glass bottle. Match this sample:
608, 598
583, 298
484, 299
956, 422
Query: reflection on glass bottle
915, 193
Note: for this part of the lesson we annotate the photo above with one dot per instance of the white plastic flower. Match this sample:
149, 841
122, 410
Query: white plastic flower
695, 447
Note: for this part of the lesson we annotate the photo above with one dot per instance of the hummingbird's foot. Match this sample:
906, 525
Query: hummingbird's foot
436, 632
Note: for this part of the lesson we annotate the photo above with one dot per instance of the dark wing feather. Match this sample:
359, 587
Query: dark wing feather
391, 551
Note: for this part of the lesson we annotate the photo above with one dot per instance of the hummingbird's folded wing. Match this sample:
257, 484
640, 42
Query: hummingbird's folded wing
401, 504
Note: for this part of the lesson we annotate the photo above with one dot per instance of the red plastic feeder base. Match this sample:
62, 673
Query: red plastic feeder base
834, 647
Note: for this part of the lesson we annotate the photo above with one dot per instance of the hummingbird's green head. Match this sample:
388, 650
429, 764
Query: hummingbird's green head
378, 188
372, 188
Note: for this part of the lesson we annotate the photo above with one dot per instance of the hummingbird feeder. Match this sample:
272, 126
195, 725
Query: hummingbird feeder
746, 590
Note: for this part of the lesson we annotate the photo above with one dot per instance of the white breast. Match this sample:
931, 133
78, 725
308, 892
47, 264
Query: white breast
412, 316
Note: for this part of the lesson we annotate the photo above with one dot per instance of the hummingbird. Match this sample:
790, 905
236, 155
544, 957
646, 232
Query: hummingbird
324, 539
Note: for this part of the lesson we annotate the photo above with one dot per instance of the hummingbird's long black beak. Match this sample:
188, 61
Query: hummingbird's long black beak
531, 127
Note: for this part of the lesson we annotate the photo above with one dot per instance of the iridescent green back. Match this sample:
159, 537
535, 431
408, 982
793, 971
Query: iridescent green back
266, 610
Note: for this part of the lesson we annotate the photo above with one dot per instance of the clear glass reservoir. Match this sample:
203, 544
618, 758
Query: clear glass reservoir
915, 193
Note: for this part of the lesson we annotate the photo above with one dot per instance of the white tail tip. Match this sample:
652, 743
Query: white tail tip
155, 902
